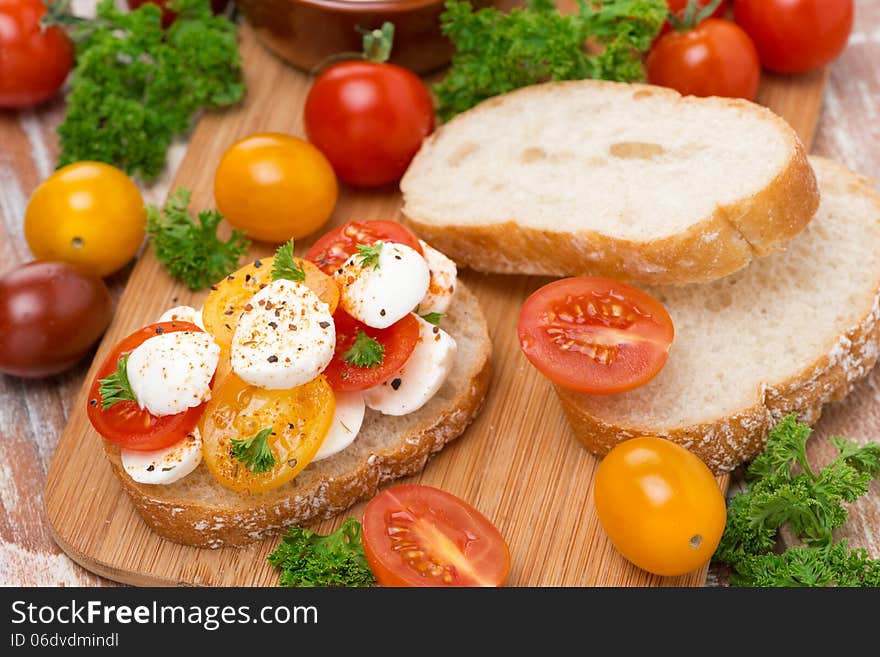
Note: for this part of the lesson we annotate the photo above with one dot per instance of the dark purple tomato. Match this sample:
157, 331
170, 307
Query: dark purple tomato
51, 315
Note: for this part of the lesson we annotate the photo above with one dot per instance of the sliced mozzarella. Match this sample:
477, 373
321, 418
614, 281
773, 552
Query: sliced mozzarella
164, 466
381, 295
183, 314
442, 285
420, 378
172, 372
347, 420
285, 337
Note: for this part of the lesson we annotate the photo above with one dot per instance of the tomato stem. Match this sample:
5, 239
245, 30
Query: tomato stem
692, 15
378, 43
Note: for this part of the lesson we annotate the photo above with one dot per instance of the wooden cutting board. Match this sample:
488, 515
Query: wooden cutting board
518, 462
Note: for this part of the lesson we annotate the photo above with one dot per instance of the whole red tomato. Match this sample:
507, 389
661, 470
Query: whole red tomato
793, 36
369, 119
168, 16
51, 315
33, 62
716, 58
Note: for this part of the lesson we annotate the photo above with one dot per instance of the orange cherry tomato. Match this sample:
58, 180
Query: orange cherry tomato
423, 536
595, 335
274, 187
228, 297
660, 505
716, 58
298, 418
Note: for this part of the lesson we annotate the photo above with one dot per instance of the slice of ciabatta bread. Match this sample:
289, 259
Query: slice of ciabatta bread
624, 180
788, 334
199, 511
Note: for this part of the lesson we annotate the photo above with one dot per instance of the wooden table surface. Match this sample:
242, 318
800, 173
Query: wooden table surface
33, 413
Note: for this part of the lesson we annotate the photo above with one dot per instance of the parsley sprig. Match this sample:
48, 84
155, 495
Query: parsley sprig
785, 490
285, 265
365, 352
189, 248
309, 559
116, 388
136, 86
254, 452
498, 51
369, 254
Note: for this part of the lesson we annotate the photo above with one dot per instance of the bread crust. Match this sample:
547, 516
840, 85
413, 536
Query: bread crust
722, 243
318, 494
724, 443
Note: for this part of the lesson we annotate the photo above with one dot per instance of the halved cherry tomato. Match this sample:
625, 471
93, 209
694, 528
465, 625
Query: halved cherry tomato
228, 297
660, 505
299, 419
399, 340
595, 335
423, 536
335, 247
127, 424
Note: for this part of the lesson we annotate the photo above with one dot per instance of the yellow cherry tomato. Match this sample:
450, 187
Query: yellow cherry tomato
299, 419
228, 297
660, 505
89, 214
274, 187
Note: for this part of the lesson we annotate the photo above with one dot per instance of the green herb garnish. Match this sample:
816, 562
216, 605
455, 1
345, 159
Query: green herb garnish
116, 388
254, 452
309, 559
190, 249
369, 254
782, 490
497, 52
432, 318
285, 265
365, 352
136, 86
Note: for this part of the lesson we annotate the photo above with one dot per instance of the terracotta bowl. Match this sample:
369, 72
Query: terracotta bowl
307, 32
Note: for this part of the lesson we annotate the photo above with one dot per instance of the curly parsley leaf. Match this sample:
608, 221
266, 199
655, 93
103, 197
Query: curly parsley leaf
136, 86
369, 254
116, 388
309, 559
254, 452
497, 52
782, 490
285, 265
190, 249
365, 352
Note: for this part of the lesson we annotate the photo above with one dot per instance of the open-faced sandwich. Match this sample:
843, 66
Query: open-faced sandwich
300, 387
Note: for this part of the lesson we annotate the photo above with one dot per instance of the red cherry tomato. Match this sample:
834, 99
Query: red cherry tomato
125, 423
51, 315
399, 340
678, 8
335, 247
717, 58
168, 16
423, 536
793, 36
595, 335
369, 119
33, 62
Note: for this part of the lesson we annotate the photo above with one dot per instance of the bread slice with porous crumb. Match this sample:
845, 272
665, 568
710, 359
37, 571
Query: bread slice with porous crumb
623, 180
788, 334
199, 511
